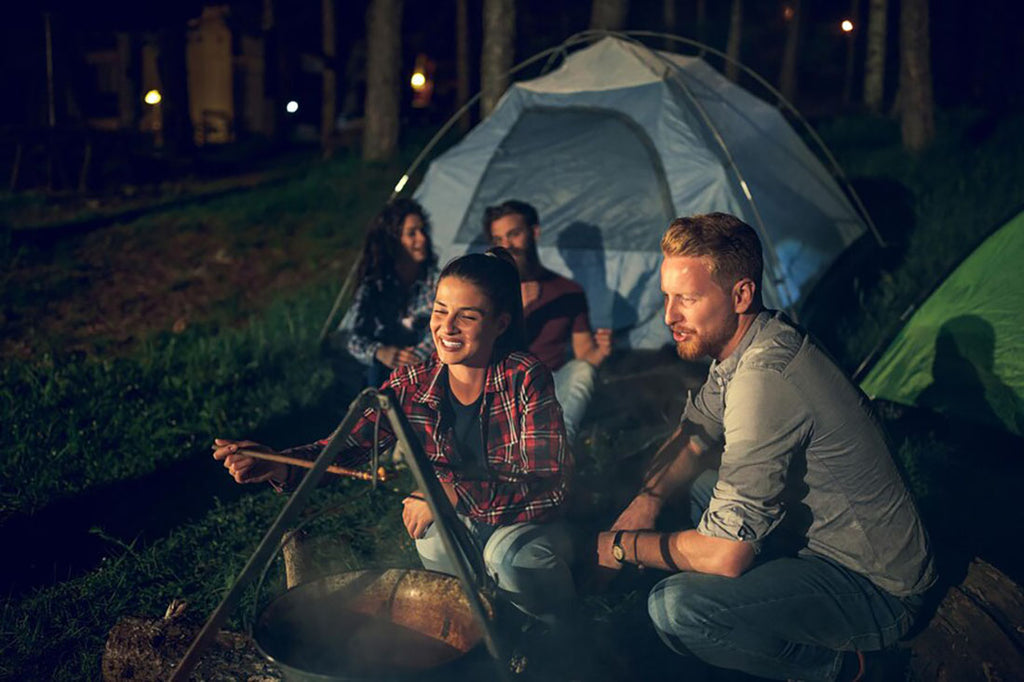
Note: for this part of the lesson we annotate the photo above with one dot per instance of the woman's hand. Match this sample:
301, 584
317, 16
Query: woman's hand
393, 356
248, 469
417, 516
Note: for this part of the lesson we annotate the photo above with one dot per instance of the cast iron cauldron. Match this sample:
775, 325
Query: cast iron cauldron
391, 624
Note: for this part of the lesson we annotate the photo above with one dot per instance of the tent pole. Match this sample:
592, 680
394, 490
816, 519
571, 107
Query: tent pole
345, 289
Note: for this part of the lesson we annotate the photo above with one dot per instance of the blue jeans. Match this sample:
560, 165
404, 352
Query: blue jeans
574, 385
789, 617
529, 561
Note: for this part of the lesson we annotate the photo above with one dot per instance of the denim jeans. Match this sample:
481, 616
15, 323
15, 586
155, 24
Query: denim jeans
529, 561
789, 617
574, 385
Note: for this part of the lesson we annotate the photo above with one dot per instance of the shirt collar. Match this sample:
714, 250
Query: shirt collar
433, 389
725, 369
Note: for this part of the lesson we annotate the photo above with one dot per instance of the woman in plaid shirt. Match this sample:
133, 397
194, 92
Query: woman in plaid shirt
486, 413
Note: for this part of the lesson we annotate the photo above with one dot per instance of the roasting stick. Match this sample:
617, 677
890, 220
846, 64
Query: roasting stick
382, 473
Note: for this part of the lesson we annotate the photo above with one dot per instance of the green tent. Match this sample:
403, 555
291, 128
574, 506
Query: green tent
962, 351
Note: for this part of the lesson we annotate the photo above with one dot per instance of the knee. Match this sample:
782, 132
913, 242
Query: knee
516, 569
678, 608
528, 558
432, 552
580, 376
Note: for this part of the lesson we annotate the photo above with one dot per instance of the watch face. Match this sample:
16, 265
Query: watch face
618, 553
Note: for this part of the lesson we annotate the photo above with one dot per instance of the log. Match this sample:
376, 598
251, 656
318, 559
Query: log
977, 632
146, 649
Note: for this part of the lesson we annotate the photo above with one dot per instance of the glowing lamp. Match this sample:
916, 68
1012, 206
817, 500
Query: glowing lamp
153, 97
847, 25
418, 80
291, 107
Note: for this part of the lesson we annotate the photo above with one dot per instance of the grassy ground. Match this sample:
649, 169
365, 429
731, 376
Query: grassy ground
218, 337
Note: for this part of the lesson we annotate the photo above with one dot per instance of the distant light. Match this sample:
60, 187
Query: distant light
153, 97
418, 80
847, 25
291, 107
787, 13
401, 184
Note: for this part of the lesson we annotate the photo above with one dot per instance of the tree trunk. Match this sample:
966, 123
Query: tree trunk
462, 61
668, 21
328, 108
383, 73
496, 53
851, 44
732, 46
874, 61
608, 15
916, 102
975, 633
702, 23
179, 137
271, 70
788, 73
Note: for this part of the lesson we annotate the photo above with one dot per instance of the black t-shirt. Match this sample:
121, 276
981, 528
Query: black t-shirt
467, 432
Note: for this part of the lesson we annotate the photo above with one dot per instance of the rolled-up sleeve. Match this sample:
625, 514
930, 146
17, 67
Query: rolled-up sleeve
765, 423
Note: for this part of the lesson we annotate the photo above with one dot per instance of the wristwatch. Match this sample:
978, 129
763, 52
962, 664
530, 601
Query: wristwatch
617, 551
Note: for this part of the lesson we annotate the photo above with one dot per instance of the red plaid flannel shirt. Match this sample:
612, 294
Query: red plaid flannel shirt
527, 455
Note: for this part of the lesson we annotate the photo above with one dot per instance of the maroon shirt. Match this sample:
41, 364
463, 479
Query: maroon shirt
551, 320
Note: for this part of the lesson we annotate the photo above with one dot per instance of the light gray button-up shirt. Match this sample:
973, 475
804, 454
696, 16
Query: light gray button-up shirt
804, 462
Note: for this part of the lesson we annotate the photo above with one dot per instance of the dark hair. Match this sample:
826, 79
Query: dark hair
383, 240
494, 273
510, 207
731, 247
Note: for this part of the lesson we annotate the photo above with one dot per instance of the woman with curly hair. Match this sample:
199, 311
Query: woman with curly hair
387, 327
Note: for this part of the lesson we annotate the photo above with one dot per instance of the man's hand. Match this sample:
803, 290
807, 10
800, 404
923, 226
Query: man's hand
605, 558
248, 469
416, 516
641, 513
602, 344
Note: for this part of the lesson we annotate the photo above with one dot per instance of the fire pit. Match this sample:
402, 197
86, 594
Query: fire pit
369, 625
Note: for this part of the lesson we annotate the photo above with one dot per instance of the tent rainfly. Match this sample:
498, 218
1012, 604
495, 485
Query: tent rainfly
614, 144
962, 351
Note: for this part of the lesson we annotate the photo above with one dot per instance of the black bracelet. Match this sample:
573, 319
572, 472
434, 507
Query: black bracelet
666, 552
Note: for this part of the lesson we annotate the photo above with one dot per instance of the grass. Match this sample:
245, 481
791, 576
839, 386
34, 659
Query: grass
121, 412
94, 421
58, 633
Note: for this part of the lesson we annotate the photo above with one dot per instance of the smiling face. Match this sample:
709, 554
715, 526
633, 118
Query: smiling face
463, 323
512, 232
413, 239
700, 314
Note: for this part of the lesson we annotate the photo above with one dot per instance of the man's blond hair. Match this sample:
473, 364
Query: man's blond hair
728, 245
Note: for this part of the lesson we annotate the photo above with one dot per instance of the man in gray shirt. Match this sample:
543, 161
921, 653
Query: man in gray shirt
808, 549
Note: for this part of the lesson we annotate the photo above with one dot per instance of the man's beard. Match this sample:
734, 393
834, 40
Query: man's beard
697, 346
527, 262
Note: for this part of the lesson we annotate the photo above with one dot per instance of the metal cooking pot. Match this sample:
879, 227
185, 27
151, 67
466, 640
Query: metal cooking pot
391, 624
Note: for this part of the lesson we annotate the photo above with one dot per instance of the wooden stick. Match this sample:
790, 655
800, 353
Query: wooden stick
382, 473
